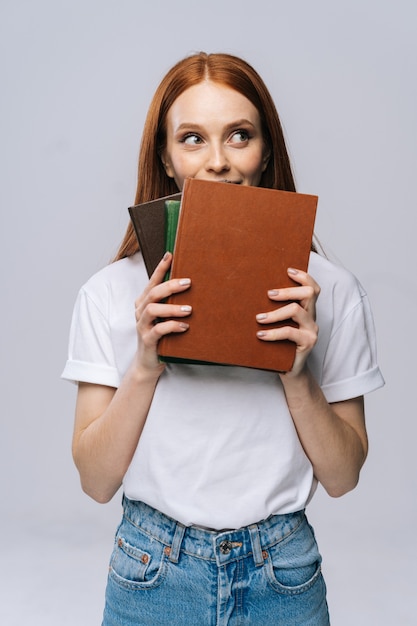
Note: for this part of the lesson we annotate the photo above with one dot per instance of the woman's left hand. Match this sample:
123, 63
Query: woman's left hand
301, 308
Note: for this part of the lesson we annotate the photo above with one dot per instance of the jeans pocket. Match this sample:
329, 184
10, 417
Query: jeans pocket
137, 561
294, 564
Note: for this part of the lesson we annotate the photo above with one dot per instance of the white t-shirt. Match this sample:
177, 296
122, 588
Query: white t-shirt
219, 448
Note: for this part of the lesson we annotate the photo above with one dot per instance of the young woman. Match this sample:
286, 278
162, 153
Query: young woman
217, 463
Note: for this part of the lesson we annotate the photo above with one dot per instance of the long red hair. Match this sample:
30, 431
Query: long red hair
224, 69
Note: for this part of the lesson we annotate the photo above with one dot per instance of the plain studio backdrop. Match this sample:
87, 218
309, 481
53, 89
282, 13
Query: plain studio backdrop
76, 80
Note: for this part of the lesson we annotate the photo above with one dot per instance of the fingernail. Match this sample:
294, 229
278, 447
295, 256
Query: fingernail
184, 281
184, 326
166, 256
261, 333
273, 292
261, 316
186, 308
291, 270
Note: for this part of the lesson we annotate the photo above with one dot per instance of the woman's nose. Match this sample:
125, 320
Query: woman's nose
217, 160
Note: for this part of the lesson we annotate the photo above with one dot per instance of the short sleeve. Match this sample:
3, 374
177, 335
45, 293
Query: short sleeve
350, 365
90, 354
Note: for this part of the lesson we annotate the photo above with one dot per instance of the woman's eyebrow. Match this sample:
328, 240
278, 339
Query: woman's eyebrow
233, 124
188, 125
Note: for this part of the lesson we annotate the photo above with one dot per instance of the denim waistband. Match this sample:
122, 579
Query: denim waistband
220, 546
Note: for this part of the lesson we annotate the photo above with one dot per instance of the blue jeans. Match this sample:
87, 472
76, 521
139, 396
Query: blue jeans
163, 573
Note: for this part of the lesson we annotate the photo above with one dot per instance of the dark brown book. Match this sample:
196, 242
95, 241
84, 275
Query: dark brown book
148, 220
236, 243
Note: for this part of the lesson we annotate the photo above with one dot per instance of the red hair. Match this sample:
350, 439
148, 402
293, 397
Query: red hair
224, 69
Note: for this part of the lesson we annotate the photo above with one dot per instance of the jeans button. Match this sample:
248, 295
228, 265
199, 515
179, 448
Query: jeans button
225, 547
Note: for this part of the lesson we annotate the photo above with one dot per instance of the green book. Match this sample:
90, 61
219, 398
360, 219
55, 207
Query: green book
172, 211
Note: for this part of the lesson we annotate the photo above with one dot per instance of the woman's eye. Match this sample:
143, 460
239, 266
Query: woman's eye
240, 136
192, 140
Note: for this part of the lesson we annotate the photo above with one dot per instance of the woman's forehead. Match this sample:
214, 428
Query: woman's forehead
211, 100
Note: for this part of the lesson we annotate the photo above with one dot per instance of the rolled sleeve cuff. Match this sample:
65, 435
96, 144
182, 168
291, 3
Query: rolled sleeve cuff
354, 387
79, 371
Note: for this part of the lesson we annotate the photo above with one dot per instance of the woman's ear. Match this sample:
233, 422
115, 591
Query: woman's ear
167, 165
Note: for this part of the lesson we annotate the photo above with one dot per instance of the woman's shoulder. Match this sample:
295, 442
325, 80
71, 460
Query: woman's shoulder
331, 276
341, 293
126, 275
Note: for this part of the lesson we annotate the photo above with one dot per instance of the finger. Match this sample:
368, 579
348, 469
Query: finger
304, 338
159, 292
151, 337
151, 332
167, 327
161, 269
156, 278
292, 311
305, 293
302, 330
148, 352
307, 290
159, 311
303, 278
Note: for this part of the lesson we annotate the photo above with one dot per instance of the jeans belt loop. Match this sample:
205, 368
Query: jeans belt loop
256, 545
176, 543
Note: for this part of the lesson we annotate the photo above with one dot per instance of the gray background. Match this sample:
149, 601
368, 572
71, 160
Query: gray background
76, 80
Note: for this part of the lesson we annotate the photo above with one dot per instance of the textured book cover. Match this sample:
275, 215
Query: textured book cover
236, 243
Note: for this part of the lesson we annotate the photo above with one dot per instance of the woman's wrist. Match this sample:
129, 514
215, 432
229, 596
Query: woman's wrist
146, 373
298, 383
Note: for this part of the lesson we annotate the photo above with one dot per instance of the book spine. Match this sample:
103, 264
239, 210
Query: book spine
172, 211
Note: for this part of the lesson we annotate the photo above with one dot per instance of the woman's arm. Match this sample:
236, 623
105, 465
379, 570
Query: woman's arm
333, 435
109, 422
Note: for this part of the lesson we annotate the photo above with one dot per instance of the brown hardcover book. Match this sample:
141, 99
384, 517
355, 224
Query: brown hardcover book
148, 221
236, 243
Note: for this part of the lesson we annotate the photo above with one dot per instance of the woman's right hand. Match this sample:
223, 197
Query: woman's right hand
150, 310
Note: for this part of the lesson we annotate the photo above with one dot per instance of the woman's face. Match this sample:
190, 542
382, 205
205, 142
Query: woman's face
214, 133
